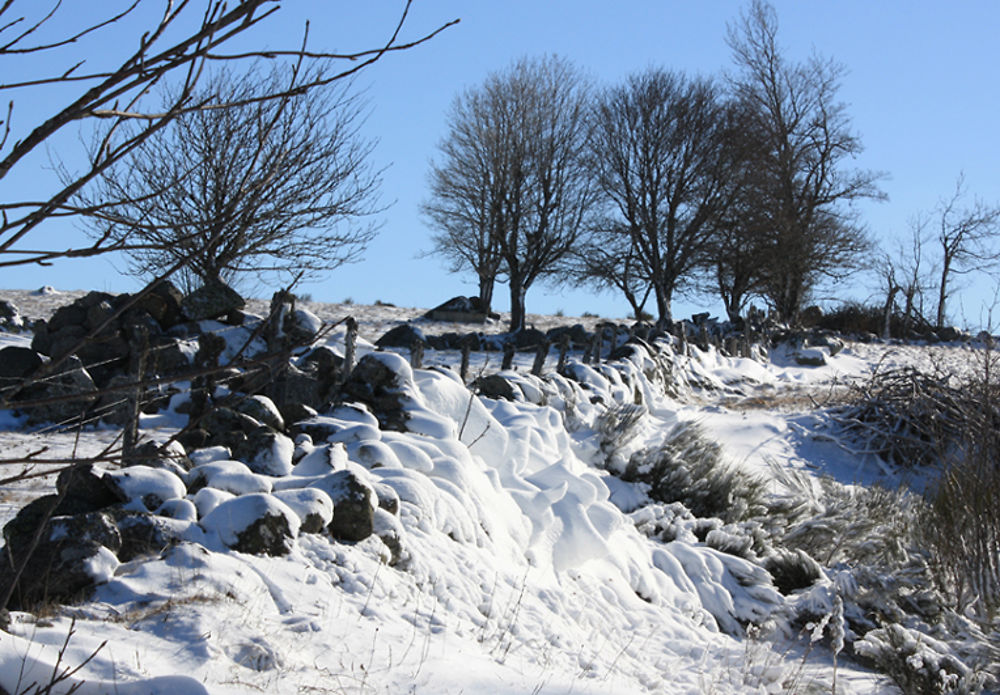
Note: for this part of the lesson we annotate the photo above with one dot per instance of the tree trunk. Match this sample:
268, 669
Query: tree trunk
732, 304
887, 313
517, 311
485, 294
943, 291
664, 314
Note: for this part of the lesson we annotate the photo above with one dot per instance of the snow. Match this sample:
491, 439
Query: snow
518, 568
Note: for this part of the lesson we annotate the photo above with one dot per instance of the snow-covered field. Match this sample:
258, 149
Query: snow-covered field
523, 568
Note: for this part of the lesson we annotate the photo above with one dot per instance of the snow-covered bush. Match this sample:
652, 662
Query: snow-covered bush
689, 468
918, 664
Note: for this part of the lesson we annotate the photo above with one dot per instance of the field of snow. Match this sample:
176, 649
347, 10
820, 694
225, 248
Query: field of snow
524, 570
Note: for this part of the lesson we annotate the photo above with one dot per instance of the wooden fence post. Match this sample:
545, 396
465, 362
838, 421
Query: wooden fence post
508, 355
540, 355
563, 352
350, 346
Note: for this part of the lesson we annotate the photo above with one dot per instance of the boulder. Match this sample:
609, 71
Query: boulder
234, 477
258, 524
16, 363
390, 532
458, 309
171, 457
70, 381
313, 507
83, 488
528, 338
354, 504
222, 422
495, 386
74, 554
301, 327
810, 357
378, 381
403, 336
146, 534
266, 452
295, 386
578, 335
163, 303
211, 301
150, 486
263, 410
10, 317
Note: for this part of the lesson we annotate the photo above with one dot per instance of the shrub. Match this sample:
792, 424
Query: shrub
918, 664
689, 468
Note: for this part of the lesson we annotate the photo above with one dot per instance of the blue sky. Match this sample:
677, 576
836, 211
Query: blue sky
921, 86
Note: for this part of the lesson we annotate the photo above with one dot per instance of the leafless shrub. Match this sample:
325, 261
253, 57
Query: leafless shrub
907, 417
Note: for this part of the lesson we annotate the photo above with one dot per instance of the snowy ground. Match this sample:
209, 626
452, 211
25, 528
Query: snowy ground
522, 576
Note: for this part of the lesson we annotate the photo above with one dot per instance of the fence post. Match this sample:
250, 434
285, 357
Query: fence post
466, 351
508, 355
133, 401
595, 347
350, 346
540, 355
563, 352
417, 353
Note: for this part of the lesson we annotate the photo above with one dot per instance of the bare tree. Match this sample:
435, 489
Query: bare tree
513, 180
179, 41
466, 195
740, 256
967, 238
660, 162
265, 186
808, 139
611, 264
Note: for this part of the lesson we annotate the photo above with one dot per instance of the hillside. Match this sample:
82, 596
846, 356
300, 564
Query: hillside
669, 521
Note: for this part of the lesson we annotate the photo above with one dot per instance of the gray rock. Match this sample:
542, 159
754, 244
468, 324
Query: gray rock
266, 452
378, 386
16, 363
459, 309
211, 301
71, 382
145, 534
10, 317
809, 357
354, 504
313, 507
263, 410
258, 524
528, 338
403, 336
82, 487
60, 566
163, 303
301, 327
295, 386
495, 386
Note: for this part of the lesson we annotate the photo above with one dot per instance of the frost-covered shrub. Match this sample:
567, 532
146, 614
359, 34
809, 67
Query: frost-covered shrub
918, 664
962, 528
856, 525
689, 468
792, 569
617, 427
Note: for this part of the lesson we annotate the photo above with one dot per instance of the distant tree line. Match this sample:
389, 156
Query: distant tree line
740, 187
661, 185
